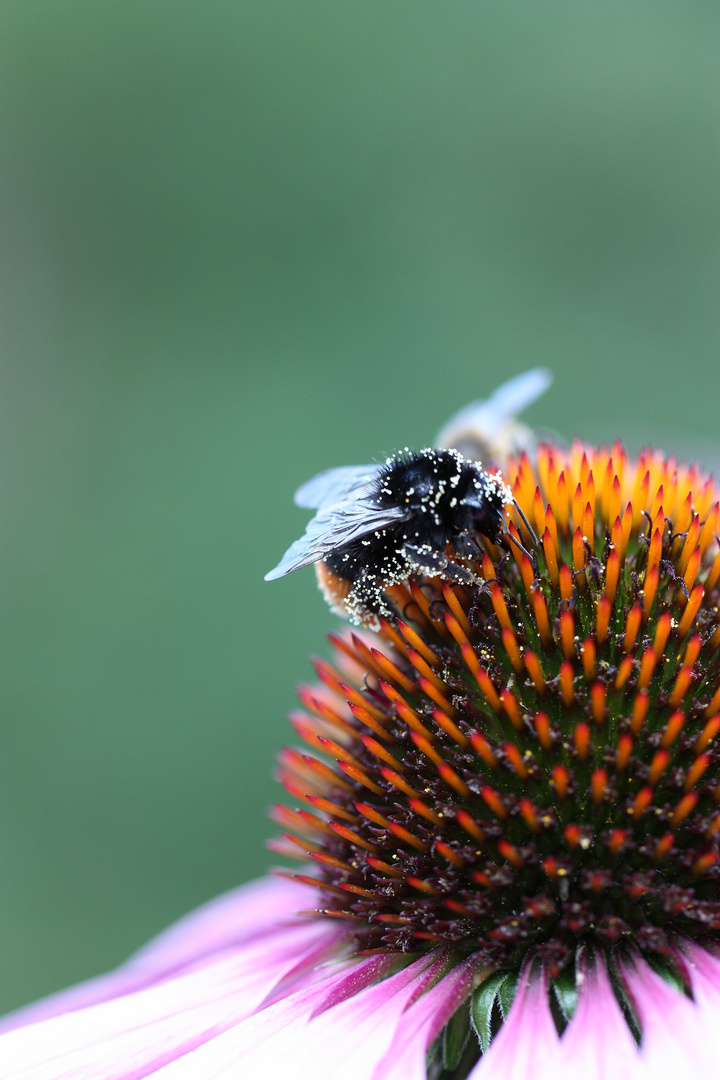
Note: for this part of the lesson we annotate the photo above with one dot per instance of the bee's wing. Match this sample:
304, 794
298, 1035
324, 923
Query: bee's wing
334, 526
333, 485
488, 416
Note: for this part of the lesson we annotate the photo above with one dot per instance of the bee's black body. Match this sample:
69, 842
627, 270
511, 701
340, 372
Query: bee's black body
446, 502
377, 526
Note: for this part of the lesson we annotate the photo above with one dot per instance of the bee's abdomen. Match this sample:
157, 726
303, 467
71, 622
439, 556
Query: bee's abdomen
379, 553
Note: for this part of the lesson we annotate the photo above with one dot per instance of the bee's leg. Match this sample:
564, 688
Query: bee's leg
366, 599
436, 563
464, 546
505, 539
457, 574
425, 559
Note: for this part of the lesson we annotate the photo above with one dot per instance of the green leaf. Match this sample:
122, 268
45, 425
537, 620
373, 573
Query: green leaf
481, 1006
566, 993
434, 1065
666, 970
624, 1001
455, 1036
506, 993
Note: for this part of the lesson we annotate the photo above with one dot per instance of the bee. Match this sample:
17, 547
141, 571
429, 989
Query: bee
488, 429
418, 513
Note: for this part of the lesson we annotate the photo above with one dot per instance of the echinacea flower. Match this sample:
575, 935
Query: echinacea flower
507, 816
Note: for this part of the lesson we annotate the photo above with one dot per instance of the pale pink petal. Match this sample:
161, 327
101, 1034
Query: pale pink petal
704, 969
423, 1022
242, 914
132, 1035
302, 1038
527, 1037
597, 1044
680, 1037
259, 908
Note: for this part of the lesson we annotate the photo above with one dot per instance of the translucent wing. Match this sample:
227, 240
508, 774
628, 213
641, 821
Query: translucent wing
486, 417
333, 485
358, 514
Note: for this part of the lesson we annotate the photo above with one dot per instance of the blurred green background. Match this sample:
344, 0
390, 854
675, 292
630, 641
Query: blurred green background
241, 242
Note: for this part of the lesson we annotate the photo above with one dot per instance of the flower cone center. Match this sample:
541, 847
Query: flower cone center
531, 763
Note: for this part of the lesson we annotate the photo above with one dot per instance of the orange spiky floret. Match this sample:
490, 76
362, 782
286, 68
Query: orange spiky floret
543, 743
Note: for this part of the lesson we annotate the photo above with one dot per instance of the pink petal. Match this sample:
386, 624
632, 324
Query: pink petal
527, 1038
597, 1044
344, 1041
704, 970
243, 914
238, 915
679, 1036
422, 1023
130, 1036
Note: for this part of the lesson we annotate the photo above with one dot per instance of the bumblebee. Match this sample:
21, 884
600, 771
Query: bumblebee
487, 430
417, 513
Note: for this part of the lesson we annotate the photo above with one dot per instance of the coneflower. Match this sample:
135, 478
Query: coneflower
525, 774
507, 812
